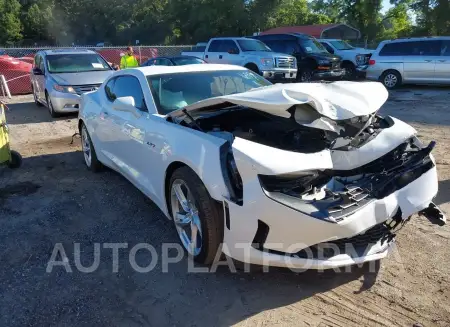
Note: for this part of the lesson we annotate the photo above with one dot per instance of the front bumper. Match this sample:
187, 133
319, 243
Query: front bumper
329, 74
280, 75
65, 102
291, 231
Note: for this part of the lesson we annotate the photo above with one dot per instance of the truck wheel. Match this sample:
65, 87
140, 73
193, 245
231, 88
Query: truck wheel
306, 75
350, 71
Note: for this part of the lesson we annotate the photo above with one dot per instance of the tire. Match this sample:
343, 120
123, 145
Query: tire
90, 158
350, 71
52, 112
391, 79
305, 75
16, 160
209, 217
36, 101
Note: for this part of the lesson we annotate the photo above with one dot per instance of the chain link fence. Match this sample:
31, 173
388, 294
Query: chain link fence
16, 63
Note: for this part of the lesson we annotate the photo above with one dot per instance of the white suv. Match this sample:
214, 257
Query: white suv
424, 60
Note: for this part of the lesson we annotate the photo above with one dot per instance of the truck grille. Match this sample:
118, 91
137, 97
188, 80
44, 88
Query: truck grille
80, 89
285, 62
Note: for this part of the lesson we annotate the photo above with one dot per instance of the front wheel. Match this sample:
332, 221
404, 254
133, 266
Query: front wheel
350, 71
90, 156
51, 110
196, 216
306, 75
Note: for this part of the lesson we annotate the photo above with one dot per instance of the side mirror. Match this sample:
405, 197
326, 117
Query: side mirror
37, 71
126, 104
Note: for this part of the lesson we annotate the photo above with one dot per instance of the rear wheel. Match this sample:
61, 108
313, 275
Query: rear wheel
197, 217
391, 79
51, 110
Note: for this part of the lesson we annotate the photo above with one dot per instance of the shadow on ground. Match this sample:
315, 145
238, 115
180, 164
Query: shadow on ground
54, 199
30, 113
443, 195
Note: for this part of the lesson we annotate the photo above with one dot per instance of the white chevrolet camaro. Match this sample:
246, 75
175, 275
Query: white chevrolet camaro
294, 175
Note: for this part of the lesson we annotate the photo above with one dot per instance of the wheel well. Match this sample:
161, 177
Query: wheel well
252, 66
169, 171
80, 124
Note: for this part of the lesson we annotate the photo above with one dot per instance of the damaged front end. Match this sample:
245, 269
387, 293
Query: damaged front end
313, 174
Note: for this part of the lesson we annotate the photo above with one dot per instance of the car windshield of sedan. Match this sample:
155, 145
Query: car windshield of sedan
180, 61
178, 90
76, 63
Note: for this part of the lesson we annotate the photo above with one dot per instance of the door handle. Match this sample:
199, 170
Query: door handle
442, 60
206, 56
428, 60
220, 56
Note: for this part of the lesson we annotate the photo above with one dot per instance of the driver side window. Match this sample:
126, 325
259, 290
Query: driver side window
328, 47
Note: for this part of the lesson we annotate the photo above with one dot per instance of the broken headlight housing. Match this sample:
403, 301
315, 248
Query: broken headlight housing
294, 185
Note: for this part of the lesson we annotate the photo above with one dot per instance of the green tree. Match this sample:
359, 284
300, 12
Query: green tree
10, 25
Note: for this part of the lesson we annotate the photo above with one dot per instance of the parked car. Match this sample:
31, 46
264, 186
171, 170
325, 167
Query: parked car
423, 60
173, 61
276, 173
251, 54
59, 77
314, 62
352, 58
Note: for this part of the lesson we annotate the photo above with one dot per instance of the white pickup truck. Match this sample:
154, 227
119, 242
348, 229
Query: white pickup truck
353, 59
250, 53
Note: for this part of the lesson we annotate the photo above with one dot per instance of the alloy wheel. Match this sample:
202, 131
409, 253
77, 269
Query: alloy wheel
186, 217
86, 146
306, 76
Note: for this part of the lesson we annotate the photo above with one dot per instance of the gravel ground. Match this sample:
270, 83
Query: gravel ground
54, 199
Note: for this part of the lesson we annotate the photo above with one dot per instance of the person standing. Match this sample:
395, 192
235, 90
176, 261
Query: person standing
128, 60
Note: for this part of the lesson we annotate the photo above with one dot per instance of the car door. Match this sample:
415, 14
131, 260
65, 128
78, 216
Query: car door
39, 80
442, 68
213, 51
127, 146
419, 60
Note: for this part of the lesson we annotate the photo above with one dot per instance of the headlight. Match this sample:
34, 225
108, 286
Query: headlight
64, 89
298, 184
323, 62
267, 61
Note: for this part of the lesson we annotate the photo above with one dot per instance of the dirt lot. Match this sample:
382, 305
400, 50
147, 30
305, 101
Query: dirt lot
54, 199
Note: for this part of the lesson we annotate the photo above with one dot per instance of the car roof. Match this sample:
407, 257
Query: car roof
158, 70
67, 51
423, 38
232, 38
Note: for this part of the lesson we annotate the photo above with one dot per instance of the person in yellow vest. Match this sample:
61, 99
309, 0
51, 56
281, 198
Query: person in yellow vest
128, 60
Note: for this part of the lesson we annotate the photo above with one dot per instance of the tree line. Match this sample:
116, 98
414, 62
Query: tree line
87, 22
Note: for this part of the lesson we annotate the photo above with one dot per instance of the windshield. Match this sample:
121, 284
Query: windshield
76, 63
175, 91
187, 61
312, 46
341, 45
253, 45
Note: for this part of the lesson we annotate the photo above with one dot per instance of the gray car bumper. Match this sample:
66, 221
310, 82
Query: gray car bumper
65, 102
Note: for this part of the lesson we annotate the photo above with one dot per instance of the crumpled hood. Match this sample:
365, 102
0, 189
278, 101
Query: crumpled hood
337, 101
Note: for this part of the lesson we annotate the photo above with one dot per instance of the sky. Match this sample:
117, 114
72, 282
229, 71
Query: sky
386, 6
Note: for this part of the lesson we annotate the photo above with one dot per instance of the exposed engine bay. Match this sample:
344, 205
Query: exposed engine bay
305, 131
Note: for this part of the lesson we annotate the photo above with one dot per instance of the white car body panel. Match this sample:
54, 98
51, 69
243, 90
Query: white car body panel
143, 146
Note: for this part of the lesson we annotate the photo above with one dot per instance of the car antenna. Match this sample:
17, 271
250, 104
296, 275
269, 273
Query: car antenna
192, 120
